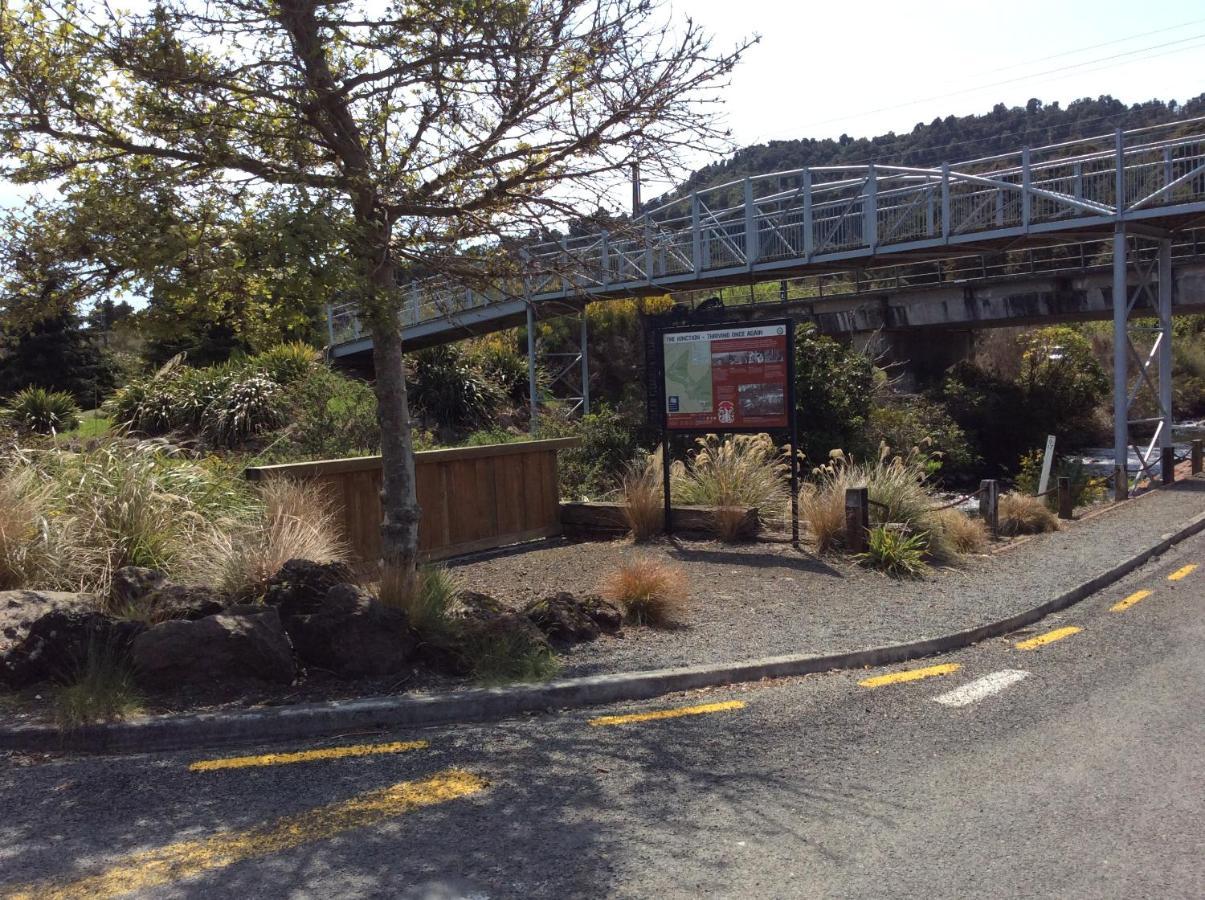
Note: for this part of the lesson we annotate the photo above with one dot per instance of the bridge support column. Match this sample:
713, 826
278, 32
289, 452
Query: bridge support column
1150, 349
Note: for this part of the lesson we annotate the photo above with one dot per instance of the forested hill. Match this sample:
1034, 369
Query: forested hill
950, 139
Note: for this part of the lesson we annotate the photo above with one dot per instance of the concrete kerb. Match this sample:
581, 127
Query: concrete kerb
311, 720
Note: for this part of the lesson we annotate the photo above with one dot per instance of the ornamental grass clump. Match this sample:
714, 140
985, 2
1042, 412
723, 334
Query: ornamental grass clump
24, 555
734, 473
43, 411
965, 534
649, 591
290, 520
642, 494
1023, 514
428, 599
896, 553
102, 690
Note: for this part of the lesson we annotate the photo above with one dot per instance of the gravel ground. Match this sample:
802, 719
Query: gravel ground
769, 599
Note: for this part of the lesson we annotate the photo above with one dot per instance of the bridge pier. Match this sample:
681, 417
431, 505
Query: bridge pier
1149, 256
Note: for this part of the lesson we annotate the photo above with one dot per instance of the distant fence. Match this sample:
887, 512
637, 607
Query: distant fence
472, 498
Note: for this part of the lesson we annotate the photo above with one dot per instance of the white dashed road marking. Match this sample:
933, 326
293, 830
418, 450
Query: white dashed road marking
981, 687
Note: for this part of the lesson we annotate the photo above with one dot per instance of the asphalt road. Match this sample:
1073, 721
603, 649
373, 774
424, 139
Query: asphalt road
1072, 769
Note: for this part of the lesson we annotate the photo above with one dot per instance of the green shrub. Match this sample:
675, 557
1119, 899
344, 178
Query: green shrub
449, 390
908, 422
608, 443
332, 416
57, 354
1085, 488
834, 390
494, 435
43, 411
286, 364
245, 408
503, 365
895, 552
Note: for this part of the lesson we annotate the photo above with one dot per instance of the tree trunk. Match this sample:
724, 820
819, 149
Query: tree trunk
399, 498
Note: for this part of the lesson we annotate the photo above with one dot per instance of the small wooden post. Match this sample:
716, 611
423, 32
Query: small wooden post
1198, 456
1121, 484
989, 504
1065, 506
1167, 462
857, 519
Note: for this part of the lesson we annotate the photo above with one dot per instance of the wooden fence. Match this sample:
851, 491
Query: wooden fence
472, 498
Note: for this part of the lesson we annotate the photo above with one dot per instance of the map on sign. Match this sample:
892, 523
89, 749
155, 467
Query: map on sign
726, 378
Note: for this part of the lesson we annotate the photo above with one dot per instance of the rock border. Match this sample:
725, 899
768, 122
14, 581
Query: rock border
312, 720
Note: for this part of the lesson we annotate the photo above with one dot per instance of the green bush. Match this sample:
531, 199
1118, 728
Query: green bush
1085, 488
500, 362
57, 354
332, 416
449, 390
608, 443
43, 411
502, 655
103, 690
834, 389
895, 552
908, 422
247, 407
286, 364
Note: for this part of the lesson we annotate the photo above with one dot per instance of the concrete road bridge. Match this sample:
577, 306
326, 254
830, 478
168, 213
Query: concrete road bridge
1105, 227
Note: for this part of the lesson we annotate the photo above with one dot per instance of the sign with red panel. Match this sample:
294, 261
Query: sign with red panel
727, 378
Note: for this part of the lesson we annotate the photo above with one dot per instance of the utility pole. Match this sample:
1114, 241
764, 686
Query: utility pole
635, 189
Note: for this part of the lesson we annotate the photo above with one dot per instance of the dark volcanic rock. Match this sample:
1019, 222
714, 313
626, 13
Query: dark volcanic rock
242, 642
353, 634
20, 609
569, 619
179, 601
300, 587
58, 644
132, 584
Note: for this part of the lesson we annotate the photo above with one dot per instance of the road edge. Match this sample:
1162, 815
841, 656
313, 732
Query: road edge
310, 720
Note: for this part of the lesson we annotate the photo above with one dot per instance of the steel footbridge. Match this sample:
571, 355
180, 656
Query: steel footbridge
1128, 202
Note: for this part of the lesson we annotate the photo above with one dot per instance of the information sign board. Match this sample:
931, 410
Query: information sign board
727, 378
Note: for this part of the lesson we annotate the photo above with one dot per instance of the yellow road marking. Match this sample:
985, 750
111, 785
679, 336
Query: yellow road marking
1136, 597
1048, 638
1182, 573
187, 859
910, 675
279, 759
669, 713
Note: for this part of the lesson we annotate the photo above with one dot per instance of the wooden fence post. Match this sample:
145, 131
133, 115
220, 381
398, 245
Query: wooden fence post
1198, 456
1121, 484
857, 519
989, 504
1065, 506
1168, 464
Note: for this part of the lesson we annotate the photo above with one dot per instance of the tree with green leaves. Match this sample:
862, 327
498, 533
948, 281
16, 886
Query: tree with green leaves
429, 128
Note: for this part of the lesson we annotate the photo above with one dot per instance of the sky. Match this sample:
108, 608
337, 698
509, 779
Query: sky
866, 68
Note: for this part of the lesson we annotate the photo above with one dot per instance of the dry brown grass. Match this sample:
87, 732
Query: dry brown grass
1023, 514
822, 507
649, 591
643, 498
742, 470
21, 508
965, 534
296, 521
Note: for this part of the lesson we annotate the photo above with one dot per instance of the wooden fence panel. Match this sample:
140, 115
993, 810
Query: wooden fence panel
472, 498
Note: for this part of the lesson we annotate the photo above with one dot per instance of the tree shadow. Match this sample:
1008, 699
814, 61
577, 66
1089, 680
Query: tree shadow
799, 561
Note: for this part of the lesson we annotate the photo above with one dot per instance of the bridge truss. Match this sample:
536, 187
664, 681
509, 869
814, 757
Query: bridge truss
1141, 186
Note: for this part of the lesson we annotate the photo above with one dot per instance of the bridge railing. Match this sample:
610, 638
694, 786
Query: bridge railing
842, 212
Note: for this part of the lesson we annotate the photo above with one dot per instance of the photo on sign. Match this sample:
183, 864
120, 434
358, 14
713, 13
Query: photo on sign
762, 400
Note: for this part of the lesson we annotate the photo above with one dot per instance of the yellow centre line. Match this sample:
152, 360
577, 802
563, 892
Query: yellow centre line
910, 675
1183, 572
700, 710
280, 759
187, 859
1048, 638
1136, 597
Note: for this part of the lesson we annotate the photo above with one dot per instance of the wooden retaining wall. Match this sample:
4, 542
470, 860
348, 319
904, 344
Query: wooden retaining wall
472, 498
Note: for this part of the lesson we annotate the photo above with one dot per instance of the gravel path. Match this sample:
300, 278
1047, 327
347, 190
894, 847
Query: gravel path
768, 599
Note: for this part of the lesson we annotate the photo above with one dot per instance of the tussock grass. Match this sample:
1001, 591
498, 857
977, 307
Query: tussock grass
1023, 514
295, 520
642, 493
103, 690
649, 591
966, 534
502, 656
427, 598
742, 470
24, 555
